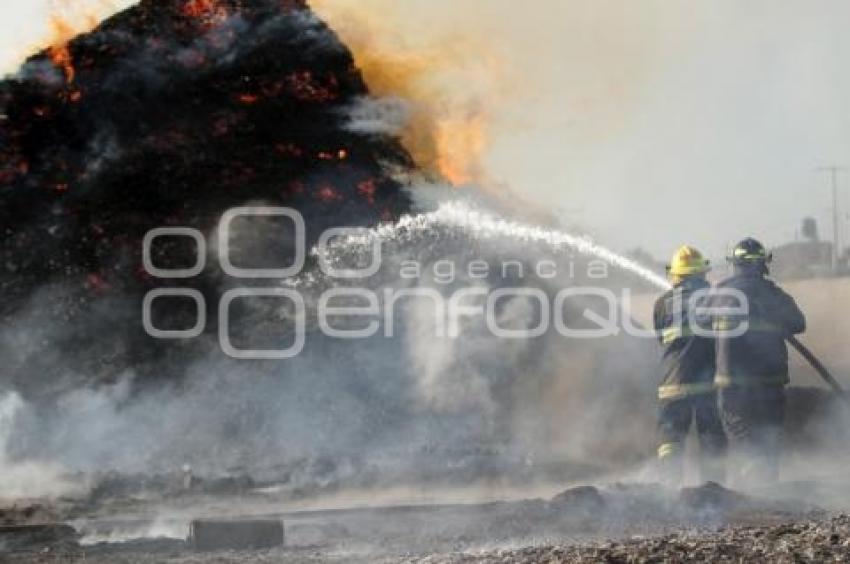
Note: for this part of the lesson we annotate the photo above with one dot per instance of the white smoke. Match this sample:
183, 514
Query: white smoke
30, 478
380, 116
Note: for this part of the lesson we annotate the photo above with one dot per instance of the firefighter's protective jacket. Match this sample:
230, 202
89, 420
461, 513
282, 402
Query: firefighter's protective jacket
687, 366
758, 357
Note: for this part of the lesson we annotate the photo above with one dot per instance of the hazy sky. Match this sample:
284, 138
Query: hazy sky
649, 122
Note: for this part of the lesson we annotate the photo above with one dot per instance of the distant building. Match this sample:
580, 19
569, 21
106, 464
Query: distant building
808, 258
802, 259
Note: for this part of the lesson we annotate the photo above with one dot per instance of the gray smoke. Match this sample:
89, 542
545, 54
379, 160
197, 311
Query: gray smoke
372, 409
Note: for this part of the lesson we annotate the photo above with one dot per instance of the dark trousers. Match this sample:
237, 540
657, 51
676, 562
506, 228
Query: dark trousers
674, 423
753, 417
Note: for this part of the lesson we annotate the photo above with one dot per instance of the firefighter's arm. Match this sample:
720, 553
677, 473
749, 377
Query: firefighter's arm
787, 313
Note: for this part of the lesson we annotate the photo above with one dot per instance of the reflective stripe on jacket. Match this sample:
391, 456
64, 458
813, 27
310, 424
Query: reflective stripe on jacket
679, 391
749, 380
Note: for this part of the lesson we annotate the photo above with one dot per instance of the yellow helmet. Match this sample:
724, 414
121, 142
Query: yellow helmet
688, 262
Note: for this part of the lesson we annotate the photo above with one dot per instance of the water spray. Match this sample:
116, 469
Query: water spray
487, 226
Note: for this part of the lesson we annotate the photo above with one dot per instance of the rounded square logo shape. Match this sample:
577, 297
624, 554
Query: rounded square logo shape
526, 333
147, 314
261, 354
262, 211
346, 273
153, 234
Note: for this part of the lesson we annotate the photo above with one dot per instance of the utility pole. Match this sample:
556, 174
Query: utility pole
836, 212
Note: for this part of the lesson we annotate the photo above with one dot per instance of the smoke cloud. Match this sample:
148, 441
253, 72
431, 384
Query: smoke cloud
551, 101
611, 116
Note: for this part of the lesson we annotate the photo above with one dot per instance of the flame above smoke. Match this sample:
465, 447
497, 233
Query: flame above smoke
68, 19
61, 57
452, 85
460, 143
54, 23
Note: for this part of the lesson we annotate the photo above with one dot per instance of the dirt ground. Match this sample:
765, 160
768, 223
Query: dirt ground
826, 540
616, 523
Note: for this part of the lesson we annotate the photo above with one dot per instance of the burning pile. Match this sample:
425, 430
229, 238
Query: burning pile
168, 114
171, 113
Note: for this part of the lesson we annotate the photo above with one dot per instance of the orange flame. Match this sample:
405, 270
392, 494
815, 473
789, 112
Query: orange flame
452, 87
67, 20
61, 57
309, 88
248, 99
199, 8
62, 31
460, 143
210, 12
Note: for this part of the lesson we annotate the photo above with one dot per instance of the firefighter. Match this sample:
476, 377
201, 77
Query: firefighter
686, 392
752, 367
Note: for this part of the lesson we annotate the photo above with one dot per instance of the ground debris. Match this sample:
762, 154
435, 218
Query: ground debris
615, 523
814, 541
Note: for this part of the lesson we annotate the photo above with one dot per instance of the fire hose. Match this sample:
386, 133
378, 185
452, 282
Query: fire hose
819, 368
816, 364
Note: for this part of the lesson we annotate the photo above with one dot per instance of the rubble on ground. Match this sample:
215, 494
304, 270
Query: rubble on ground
813, 541
649, 523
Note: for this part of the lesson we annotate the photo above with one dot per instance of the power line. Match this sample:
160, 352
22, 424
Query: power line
836, 212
